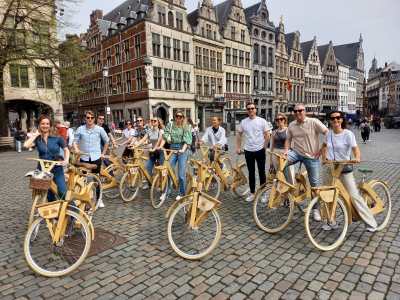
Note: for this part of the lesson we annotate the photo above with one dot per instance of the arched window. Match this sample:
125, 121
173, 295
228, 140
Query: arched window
256, 53
170, 19
256, 32
263, 35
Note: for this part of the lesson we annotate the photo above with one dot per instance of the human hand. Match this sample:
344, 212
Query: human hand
238, 151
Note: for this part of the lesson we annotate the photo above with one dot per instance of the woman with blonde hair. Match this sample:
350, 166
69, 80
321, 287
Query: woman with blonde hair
49, 145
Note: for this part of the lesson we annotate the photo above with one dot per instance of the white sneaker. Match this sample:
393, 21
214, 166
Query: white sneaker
316, 215
250, 198
145, 185
328, 227
101, 203
179, 197
264, 198
163, 197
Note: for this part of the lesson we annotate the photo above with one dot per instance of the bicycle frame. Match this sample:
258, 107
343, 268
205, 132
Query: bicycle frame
165, 170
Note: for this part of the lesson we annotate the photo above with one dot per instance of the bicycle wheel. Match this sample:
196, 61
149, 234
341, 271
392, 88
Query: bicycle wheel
227, 169
97, 189
241, 187
50, 260
212, 186
382, 191
271, 220
193, 243
129, 186
38, 198
157, 193
323, 235
117, 172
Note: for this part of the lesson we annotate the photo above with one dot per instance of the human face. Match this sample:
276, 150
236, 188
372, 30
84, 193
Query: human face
100, 120
300, 113
280, 121
140, 122
89, 119
44, 126
129, 125
179, 118
251, 110
215, 122
154, 123
336, 121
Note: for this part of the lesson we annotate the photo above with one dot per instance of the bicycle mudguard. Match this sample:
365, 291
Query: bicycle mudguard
176, 203
85, 216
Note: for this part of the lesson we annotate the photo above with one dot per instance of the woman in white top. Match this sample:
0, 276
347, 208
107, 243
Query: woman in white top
128, 135
214, 136
154, 137
339, 144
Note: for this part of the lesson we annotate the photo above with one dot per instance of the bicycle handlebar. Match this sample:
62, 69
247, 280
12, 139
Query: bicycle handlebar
55, 162
340, 162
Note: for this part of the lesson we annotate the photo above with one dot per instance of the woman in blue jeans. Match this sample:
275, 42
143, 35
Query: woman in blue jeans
49, 147
179, 136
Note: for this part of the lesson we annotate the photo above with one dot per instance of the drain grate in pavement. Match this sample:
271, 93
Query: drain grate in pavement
103, 240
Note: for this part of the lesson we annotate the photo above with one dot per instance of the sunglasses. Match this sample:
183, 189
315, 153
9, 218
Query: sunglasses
279, 119
100, 118
89, 118
154, 121
179, 116
140, 120
298, 110
251, 108
335, 118
128, 123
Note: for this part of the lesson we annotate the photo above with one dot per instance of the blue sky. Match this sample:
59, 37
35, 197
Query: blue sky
341, 21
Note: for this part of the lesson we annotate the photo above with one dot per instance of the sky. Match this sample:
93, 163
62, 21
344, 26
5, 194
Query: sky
341, 21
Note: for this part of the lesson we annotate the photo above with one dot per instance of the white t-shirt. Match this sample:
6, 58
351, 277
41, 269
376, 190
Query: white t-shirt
215, 138
128, 132
340, 145
253, 130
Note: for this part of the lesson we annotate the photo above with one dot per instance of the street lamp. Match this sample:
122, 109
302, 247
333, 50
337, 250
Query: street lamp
105, 75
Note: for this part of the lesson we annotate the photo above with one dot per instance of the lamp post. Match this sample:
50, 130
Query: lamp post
105, 76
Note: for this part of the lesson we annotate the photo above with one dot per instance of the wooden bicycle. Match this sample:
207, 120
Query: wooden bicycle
230, 177
194, 226
337, 210
274, 201
132, 180
57, 227
111, 175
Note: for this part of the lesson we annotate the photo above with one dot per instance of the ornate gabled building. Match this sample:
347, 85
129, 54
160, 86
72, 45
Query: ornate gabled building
146, 48
296, 68
330, 77
343, 86
281, 70
352, 55
372, 88
237, 60
208, 48
312, 76
262, 32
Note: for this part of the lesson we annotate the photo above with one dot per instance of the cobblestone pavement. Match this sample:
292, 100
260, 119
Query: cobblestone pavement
248, 263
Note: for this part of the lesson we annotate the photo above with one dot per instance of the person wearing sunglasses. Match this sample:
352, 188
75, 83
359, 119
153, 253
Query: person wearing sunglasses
257, 132
88, 139
127, 136
179, 136
154, 137
340, 143
302, 145
139, 133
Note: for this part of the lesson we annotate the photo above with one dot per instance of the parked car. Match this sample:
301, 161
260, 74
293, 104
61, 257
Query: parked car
391, 122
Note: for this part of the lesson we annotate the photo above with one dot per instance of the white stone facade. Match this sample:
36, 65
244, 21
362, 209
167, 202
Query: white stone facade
343, 87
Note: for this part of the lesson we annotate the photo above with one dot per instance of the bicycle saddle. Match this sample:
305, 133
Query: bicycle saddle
365, 171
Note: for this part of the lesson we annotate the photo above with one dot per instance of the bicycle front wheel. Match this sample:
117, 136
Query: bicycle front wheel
212, 186
241, 183
324, 234
158, 193
54, 260
382, 218
272, 219
97, 190
116, 172
129, 186
193, 243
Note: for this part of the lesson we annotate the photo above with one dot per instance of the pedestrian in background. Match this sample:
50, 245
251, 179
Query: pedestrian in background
195, 135
365, 130
19, 139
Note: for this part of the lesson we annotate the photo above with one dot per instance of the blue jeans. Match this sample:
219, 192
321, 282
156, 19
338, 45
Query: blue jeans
151, 162
181, 158
312, 165
59, 180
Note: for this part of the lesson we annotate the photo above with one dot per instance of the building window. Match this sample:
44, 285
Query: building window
119, 83
263, 81
228, 55
185, 46
128, 83
199, 85
177, 49
205, 59
157, 78
19, 76
263, 55
117, 50
213, 86
233, 33
219, 82
256, 53
167, 47
235, 83
270, 81
161, 15
170, 19
206, 86
219, 61
168, 79
228, 82
208, 31
178, 80
137, 46
234, 57
213, 60
198, 57
242, 36
156, 44
186, 81
44, 77
127, 53
108, 54
241, 58
255, 80
179, 21
247, 59
139, 79
241, 84
247, 84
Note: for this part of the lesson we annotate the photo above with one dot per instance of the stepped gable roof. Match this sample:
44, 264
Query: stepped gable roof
289, 37
305, 49
193, 18
322, 51
124, 9
251, 11
347, 53
223, 10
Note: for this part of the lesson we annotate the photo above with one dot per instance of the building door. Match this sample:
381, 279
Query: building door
162, 114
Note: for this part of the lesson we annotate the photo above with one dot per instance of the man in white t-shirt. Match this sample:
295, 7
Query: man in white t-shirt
257, 132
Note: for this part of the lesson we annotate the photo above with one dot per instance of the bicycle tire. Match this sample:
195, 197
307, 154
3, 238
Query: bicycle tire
96, 179
173, 243
381, 224
340, 239
157, 201
112, 193
259, 206
217, 190
41, 271
241, 189
134, 185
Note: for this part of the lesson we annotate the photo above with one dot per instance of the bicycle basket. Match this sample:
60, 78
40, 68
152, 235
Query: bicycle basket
49, 210
40, 184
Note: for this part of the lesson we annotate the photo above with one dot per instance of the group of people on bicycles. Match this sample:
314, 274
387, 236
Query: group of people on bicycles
299, 141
